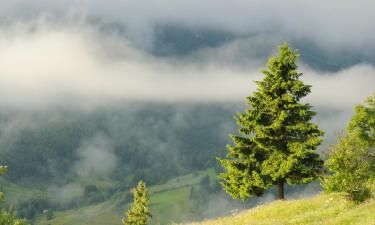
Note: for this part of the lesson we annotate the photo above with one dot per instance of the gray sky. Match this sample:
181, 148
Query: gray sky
51, 51
41, 64
334, 23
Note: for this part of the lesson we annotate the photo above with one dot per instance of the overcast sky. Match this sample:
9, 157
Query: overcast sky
331, 23
52, 51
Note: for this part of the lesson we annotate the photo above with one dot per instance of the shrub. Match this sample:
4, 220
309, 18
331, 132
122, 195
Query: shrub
351, 167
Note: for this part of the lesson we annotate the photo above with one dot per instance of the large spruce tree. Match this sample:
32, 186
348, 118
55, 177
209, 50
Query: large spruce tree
276, 142
139, 212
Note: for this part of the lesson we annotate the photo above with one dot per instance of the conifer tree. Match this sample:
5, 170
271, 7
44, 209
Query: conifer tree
276, 142
139, 212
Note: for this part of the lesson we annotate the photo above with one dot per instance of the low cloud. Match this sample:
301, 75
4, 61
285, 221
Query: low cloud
96, 157
52, 66
342, 89
42, 65
66, 193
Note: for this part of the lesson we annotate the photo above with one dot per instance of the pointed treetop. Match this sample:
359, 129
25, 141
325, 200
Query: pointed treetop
139, 212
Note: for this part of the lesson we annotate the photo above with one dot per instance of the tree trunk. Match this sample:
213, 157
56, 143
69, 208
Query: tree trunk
280, 190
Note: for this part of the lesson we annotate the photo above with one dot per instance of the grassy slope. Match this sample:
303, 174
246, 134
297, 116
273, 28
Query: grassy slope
322, 209
167, 202
171, 200
14, 192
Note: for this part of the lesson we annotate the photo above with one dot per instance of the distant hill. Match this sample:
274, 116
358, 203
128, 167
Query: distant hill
179, 41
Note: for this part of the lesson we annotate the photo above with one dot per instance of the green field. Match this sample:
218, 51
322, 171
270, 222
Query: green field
169, 203
15, 192
327, 209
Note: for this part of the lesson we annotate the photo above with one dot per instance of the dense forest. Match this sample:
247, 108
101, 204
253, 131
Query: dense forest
152, 142
122, 144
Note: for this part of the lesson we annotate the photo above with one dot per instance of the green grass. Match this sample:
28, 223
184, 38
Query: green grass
169, 202
15, 192
100, 183
183, 181
327, 209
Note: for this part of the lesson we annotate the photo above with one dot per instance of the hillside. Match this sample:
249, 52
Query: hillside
163, 201
321, 209
171, 202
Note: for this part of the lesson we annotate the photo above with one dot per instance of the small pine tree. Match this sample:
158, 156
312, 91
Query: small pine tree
139, 212
277, 142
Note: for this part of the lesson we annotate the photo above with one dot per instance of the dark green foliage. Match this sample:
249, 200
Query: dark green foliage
91, 194
205, 182
29, 208
192, 194
139, 212
48, 145
49, 215
8, 217
277, 142
89, 190
177, 40
351, 162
